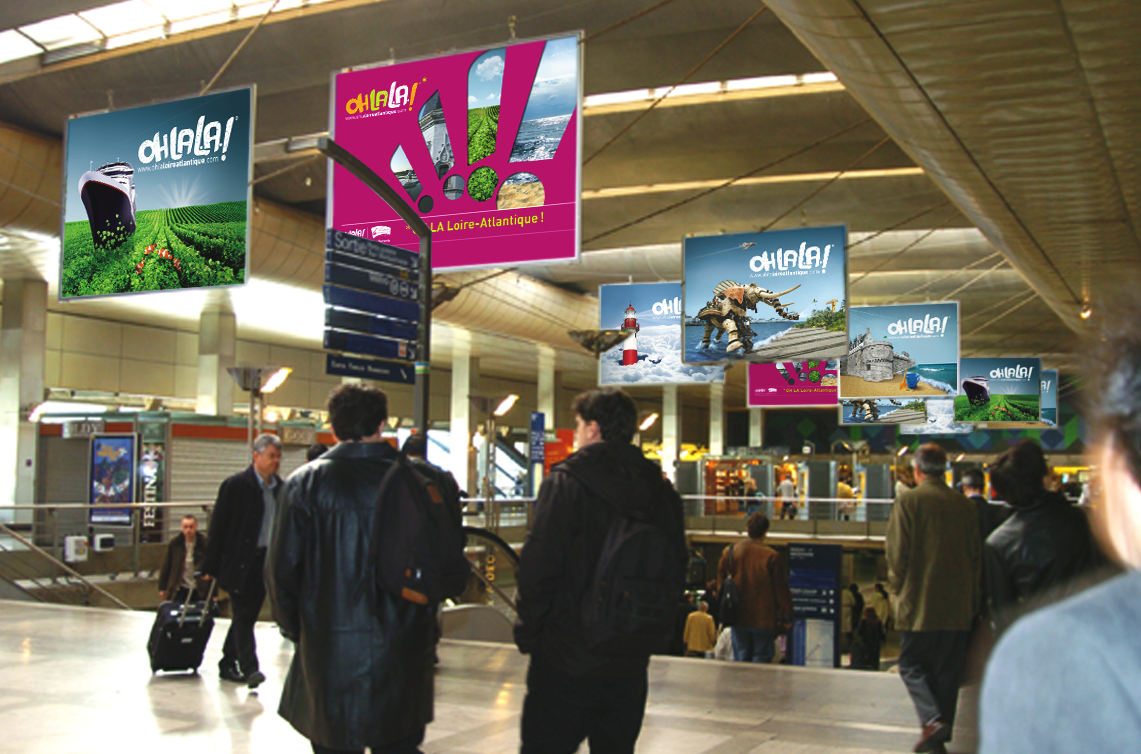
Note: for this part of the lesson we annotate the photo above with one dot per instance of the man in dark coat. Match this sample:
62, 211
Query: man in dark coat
415, 449
184, 556
572, 692
934, 561
991, 515
235, 554
362, 672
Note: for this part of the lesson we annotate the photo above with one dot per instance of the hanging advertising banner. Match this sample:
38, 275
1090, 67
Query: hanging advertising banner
766, 297
157, 197
999, 390
111, 476
793, 383
485, 145
902, 352
650, 315
940, 420
883, 411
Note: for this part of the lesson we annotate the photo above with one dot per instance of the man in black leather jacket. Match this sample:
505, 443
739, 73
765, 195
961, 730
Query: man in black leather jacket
573, 693
1040, 554
362, 672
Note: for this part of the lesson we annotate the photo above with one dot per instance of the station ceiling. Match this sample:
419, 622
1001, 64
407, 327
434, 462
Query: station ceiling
987, 150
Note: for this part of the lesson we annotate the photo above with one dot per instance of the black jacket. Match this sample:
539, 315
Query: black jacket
170, 577
577, 503
1036, 557
234, 529
362, 672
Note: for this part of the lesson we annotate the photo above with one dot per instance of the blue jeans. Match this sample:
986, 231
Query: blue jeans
753, 644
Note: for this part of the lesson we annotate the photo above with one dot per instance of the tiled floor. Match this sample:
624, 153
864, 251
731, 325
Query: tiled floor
78, 680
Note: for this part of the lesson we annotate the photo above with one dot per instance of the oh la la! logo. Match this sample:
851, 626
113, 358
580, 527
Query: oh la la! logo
395, 96
1017, 372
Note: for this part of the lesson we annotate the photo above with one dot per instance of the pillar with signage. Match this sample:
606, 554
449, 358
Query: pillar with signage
153, 472
814, 578
537, 450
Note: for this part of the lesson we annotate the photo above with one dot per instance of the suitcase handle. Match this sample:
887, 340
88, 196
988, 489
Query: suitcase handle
186, 605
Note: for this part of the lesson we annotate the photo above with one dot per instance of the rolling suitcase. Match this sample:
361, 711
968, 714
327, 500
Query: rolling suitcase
180, 632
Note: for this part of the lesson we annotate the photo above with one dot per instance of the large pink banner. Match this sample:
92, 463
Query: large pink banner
484, 144
793, 383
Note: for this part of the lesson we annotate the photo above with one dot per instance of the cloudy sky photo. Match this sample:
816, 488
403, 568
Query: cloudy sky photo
555, 91
485, 79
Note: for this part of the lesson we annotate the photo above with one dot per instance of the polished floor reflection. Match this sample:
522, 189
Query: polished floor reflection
75, 679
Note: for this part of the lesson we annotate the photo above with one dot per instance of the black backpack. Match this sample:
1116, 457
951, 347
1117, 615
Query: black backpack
730, 596
630, 607
416, 549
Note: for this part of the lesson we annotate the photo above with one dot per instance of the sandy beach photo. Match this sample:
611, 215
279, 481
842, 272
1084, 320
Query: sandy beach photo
887, 389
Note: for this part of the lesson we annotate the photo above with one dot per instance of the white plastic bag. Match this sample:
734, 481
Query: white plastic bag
723, 650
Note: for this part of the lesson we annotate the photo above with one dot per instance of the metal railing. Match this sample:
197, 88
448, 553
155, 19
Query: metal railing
24, 564
845, 518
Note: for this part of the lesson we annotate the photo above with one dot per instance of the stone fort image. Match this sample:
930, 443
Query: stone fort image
874, 360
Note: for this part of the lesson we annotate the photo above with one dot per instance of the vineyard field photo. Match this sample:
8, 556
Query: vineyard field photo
1000, 408
184, 247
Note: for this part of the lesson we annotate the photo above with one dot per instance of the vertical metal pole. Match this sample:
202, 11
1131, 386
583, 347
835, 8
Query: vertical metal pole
253, 408
422, 393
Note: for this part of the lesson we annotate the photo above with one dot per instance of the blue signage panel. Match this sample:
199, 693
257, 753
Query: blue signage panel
343, 319
367, 263
369, 369
369, 249
370, 280
367, 345
814, 578
538, 436
367, 302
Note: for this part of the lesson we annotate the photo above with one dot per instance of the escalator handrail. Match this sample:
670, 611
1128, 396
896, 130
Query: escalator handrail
496, 540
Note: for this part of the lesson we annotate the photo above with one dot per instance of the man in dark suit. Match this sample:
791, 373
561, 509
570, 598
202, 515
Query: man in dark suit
240, 530
991, 515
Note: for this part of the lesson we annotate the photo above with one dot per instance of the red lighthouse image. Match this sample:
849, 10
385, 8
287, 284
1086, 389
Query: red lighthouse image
630, 346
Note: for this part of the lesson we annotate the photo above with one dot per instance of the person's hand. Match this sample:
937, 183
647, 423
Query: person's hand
162, 594
205, 576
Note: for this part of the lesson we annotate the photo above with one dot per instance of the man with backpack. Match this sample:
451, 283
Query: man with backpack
362, 673
600, 577
765, 601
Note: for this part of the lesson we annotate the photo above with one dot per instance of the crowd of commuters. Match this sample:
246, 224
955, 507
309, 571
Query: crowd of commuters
961, 570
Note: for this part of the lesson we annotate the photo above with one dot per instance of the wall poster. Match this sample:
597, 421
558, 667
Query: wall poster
111, 473
1000, 390
485, 145
766, 297
158, 197
650, 315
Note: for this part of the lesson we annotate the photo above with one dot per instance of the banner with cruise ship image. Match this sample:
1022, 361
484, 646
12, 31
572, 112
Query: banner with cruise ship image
157, 197
1000, 390
484, 145
904, 351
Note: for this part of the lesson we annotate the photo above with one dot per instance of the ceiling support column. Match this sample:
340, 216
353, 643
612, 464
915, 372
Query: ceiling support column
671, 429
217, 350
460, 422
717, 418
23, 348
756, 428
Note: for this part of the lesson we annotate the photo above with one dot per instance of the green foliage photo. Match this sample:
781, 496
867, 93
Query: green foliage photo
826, 319
482, 128
481, 185
1000, 408
208, 242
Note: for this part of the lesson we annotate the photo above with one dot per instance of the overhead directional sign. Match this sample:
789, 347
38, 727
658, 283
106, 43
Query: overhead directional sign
371, 293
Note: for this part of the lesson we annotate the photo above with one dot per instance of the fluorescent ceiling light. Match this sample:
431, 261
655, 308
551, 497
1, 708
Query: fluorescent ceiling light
134, 37
506, 404
689, 90
14, 45
902, 450
762, 82
275, 379
200, 22
647, 422
61, 31
49, 412
658, 188
179, 10
710, 91
121, 18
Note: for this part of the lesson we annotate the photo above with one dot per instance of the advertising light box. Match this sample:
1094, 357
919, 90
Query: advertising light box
650, 314
940, 420
157, 197
485, 146
766, 297
902, 352
999, 390
793, 383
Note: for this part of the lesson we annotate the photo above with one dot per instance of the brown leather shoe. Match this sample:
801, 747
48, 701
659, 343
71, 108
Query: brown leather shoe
935, 734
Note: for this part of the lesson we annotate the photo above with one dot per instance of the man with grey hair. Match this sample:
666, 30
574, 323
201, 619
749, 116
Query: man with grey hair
240, 529
934, 560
